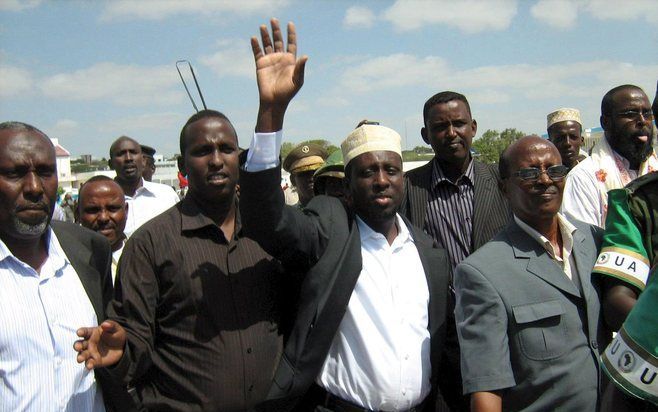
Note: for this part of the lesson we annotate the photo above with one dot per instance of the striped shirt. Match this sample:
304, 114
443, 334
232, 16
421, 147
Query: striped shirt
449, 215
39, 314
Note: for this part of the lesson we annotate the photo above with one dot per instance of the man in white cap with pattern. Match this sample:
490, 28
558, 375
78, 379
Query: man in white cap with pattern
624, 153
565, 131
375, 313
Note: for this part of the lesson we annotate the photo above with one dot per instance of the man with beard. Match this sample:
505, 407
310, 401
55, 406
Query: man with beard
103, 209
195, 324
624, 153
527, 310
565, 131
374, 317
146, 199
53, 276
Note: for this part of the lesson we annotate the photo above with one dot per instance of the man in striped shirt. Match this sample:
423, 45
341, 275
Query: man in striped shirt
454, 198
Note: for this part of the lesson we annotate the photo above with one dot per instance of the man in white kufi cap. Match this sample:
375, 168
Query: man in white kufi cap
374, 315
565, 131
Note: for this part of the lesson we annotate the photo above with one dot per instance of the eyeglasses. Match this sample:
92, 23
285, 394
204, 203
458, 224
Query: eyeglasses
555, 173
635, 114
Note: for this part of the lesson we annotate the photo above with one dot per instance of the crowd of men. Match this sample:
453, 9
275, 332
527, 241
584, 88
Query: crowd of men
456, 286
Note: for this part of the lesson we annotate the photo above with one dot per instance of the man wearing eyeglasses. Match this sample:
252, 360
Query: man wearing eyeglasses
527, 312
624, 153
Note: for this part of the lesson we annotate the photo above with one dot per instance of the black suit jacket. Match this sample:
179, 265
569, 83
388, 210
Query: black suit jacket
491, 212
90, 256
323, 242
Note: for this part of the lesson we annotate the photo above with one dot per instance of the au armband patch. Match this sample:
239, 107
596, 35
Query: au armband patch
623, 264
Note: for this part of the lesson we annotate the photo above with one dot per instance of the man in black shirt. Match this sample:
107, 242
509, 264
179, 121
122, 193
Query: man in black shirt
195, 320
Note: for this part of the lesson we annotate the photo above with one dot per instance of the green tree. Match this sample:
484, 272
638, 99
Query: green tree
492, 143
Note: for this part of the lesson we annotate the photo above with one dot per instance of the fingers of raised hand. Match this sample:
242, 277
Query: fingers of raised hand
277, 36
265, 38
292, 39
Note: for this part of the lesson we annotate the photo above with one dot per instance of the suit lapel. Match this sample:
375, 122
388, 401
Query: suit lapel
80, 258
482, 186
419, 194
429, 260
539, 263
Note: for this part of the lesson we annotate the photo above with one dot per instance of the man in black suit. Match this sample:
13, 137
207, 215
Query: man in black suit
374, 315
454, 197
71, 269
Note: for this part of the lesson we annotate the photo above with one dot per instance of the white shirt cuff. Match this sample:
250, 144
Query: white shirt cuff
264, 151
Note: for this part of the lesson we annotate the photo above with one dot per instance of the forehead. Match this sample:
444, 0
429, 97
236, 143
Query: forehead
535, 152
369, 159
451, 109
101, 189
629, 97
126, 144
210, 127
565, 126
19, 146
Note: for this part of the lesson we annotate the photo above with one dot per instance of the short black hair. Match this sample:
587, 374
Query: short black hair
444, 97
120, 139
606, 102
198, 116
20, 126
93, 179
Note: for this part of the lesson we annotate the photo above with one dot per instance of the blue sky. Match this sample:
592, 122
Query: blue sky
87, 72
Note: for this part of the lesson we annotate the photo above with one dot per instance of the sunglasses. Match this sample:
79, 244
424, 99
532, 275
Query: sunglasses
555, 173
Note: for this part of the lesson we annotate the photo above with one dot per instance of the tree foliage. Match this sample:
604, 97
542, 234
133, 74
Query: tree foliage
492, 143
286, 147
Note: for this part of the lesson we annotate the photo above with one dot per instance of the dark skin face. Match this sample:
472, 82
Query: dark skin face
449, 129
303, 182
211, 164
102, 208
28, 189
375, 185
149, 168
334, 187
535, 202
567, 137
629, 134
126, 160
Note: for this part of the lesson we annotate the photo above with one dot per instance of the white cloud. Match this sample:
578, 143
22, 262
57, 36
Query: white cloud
18, 5
470, 16
125, 85
494, 84
564, 14
234, 58
14, 80
161, 9
63, 128
134, 125
560, 14
358, 17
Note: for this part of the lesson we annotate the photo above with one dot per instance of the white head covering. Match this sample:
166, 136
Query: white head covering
370, 138
562, 115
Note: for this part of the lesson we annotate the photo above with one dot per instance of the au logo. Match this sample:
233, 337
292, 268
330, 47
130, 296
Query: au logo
603, 258
305, 149
626, 361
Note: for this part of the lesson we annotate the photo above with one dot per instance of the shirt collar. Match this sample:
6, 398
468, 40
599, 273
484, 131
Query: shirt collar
566, 230
56, 255
366, 232
193, 218
439, 177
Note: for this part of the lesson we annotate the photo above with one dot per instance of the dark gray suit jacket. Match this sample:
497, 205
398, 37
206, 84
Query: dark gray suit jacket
528, 330
90, 256
490, 209
323, 242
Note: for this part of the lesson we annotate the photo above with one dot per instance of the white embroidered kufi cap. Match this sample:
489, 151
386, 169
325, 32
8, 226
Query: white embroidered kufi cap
370, 138
562, 115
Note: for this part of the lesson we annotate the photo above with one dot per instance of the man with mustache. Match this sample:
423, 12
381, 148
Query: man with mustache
374, 320
624, 153
454, 197
527, 310
146, 199
103, 209
53, 276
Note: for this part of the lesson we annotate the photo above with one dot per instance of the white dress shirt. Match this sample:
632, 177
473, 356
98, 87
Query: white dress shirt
149, 201
116, 255
379, 358
39, 315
